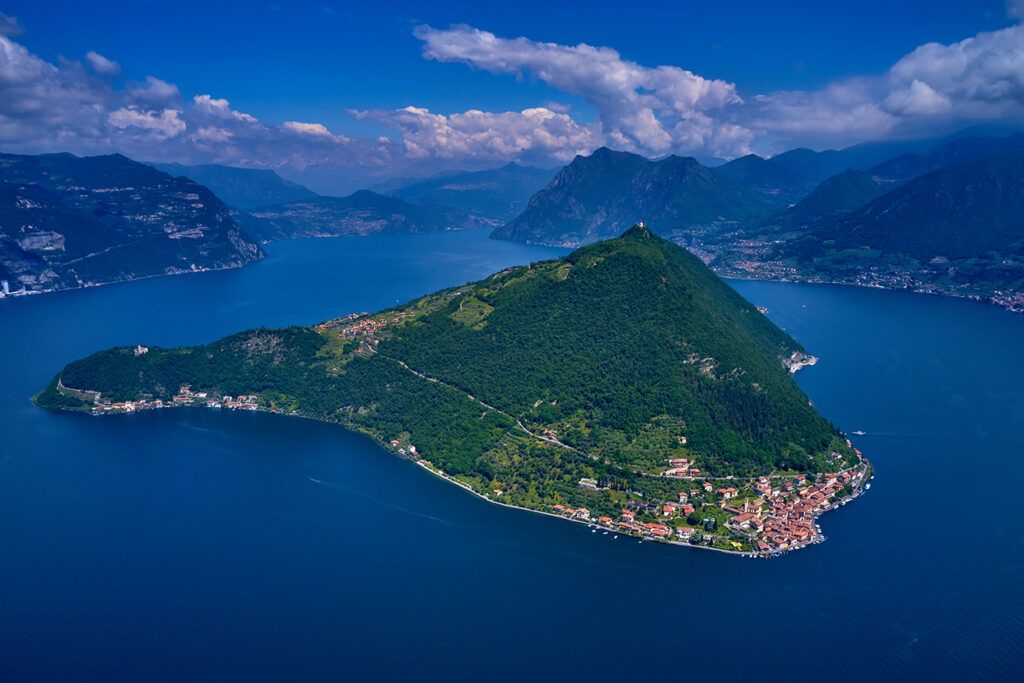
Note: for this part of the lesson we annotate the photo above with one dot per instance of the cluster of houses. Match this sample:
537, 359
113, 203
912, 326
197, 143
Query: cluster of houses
773, 515
336, 322
359, 324
184, 397
406, 450
681, 467
627, 524
104, 405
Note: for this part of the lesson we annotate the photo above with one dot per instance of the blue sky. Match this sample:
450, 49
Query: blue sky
735, 77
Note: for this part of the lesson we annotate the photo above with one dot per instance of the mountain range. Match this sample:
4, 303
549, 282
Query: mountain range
755, 217
360, 213
241, 188
961, 211
787, 217
833, 197
71, 222
956, 230
956, 151
499, 194
68, 222
601, 195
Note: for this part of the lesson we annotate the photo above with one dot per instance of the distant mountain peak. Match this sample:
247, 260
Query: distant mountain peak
600, 196
241, 188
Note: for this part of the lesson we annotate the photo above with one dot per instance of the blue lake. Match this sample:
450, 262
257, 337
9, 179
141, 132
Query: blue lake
194, 544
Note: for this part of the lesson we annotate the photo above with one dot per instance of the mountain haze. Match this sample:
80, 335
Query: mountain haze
242, 188
957, 230
774, 180
835, 196
499, 194
360, 213
956, 151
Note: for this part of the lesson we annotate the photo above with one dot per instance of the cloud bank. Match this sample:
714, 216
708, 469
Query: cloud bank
85, 107
666, 109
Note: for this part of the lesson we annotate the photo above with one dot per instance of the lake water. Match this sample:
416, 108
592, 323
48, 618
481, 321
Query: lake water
193, 544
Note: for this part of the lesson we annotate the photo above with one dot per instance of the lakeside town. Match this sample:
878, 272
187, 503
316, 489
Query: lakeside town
748, 258
762, 516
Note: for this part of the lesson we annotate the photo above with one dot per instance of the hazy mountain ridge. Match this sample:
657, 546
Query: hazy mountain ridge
959, 211
600, 195
498, 194
956, 151
241, 188
360, 213
69, 222
773, 179
834, 196
958, 230
726, 214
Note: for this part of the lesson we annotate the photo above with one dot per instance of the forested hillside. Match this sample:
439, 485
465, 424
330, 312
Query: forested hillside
602, 365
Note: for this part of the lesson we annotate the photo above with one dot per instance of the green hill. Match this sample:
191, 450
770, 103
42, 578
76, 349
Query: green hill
600, 365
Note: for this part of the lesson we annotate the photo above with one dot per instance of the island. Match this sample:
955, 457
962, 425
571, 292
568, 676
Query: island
624, 386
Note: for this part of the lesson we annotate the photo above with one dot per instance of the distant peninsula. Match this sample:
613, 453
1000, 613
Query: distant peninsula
69, 222
624, 386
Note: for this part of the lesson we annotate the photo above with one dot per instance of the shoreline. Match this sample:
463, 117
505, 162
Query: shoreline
423, 464
442, 475
974, 298
22, 293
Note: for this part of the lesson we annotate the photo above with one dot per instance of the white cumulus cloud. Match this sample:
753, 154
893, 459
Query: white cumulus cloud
668, 109
166, 123
655, 110
219, 108
79, 106
314, 129
536, 133
102, 65
155, 91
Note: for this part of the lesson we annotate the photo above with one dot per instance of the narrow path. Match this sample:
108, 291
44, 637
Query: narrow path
556, 442
518, 422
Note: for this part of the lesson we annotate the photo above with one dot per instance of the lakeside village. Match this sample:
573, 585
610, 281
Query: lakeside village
184, 397
766, 516
362, 328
